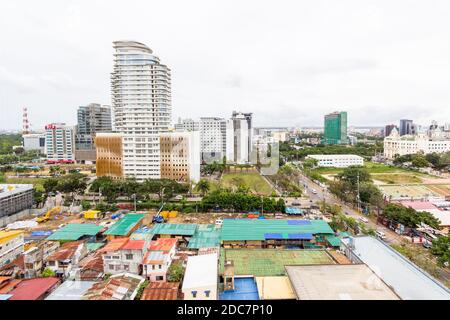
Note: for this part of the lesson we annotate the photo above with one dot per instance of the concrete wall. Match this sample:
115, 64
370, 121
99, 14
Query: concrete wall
22, 215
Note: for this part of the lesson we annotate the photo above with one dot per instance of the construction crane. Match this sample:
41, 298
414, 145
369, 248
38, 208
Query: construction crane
158, 218
49, 213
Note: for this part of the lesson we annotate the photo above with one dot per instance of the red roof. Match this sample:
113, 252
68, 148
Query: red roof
418, 205
161, 291
113, 245
163, 244
134, 245
66, 251
33, 289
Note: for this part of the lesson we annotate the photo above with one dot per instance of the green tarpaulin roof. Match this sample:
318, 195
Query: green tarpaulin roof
255, 229
75, 231
175, 229
125, 224
333, 241
206, 236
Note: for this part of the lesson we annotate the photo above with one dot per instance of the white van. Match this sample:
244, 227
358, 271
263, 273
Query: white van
381, 235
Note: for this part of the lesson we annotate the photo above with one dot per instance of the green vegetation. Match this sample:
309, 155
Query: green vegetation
439, 160
8, 141
287, 179
397, 178
140, 290
417, 160
175, 272
408, 216
203, 186
246, 180
240, 201
441, 249
48, 273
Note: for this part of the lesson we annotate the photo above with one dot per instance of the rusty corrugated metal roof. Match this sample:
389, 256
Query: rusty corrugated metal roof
161, 291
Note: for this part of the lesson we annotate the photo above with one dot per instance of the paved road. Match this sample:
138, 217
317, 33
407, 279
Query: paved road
323, 194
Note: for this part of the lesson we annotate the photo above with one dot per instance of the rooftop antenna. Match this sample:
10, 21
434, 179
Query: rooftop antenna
25, 122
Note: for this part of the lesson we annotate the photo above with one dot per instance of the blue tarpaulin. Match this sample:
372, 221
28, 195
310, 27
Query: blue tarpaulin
41, 233
299, 222
273, 236
300, 236
293, 211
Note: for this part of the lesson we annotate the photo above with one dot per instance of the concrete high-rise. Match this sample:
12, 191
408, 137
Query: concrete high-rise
92, 119
213, 139
245, 130
59, 143
406, 127
388, 129
141, 101
336, 128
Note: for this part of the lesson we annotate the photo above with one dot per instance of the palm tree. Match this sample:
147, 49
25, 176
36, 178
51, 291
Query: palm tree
203, 186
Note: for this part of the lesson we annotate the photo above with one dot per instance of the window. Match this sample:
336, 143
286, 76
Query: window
194, 294
159, 278
207, 293
51, 263
126, 267
111, 267
129, 256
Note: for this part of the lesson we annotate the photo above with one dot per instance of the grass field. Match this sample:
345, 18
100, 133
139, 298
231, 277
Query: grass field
411, 191
397, 178
251, 179
270, 262
36, 182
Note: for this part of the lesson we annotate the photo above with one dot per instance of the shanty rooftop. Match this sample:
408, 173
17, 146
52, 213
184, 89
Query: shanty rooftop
71, 290
174, 229
206, 236
125, 224
75, 231
161, 291
163, 244
263, 229
338, 282
270, 262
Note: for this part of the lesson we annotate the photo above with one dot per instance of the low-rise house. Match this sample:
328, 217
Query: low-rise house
123, 255
122, 286
91, 268
11, 246
14, 269
34, 289
200, 278
66, 258
158, 259
71, 290
161, 291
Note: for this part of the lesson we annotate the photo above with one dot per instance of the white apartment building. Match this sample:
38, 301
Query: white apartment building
180, 156
213, 139
242, 142
11, 246
34, 141
186, 125
337, 160
59, 143
141, 100
395, 144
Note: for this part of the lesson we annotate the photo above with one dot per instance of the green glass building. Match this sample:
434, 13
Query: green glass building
336, 128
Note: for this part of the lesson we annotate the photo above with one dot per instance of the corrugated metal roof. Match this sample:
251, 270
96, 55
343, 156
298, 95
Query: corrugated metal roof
206, 236
163, 244
75, 231
333, 241
134, 245
255, 229
161, 291
125, 224
175, 229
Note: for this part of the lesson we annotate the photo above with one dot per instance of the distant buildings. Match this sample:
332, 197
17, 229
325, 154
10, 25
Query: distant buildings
34, 141
337, 160
336, 128
406, 127
395, 144
14, 198
59, 142
214, 140
388, 129
187, 125
92, 119
180, 156
242, 135
141, 100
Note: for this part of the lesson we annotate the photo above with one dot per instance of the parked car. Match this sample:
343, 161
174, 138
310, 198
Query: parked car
381, 235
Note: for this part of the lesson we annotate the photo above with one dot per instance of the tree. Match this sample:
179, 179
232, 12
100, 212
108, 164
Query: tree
419, 161
351, 174
48, 273
203, 186
175, 272
141, 289
50, 185
441, 249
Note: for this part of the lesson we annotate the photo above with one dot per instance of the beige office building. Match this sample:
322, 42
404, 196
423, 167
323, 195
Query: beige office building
109, 148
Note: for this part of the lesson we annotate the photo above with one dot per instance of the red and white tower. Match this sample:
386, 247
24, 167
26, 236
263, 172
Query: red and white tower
25, 122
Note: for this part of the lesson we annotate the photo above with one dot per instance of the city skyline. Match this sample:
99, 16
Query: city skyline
316, 59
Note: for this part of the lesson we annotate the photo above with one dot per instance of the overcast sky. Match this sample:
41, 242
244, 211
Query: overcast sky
289, 62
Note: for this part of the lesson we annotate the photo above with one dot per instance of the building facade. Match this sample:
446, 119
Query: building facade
92, 119
336, 128
187, 125
141, 100
34, 141
243, 135
109, 155
15, 198
213, 139
337, 160
406, 127
11, 246
180, 156
401, 145
59, 141
388, 129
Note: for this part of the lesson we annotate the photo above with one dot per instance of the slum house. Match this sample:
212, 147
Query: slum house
161, 291
126, 225
182, 232
205, 236
159, 258
123, 255
76, 231
264, 233
66, 258
34, 289
91, 268
71, 290
122, 286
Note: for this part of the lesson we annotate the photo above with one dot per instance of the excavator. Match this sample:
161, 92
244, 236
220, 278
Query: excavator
49, 213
